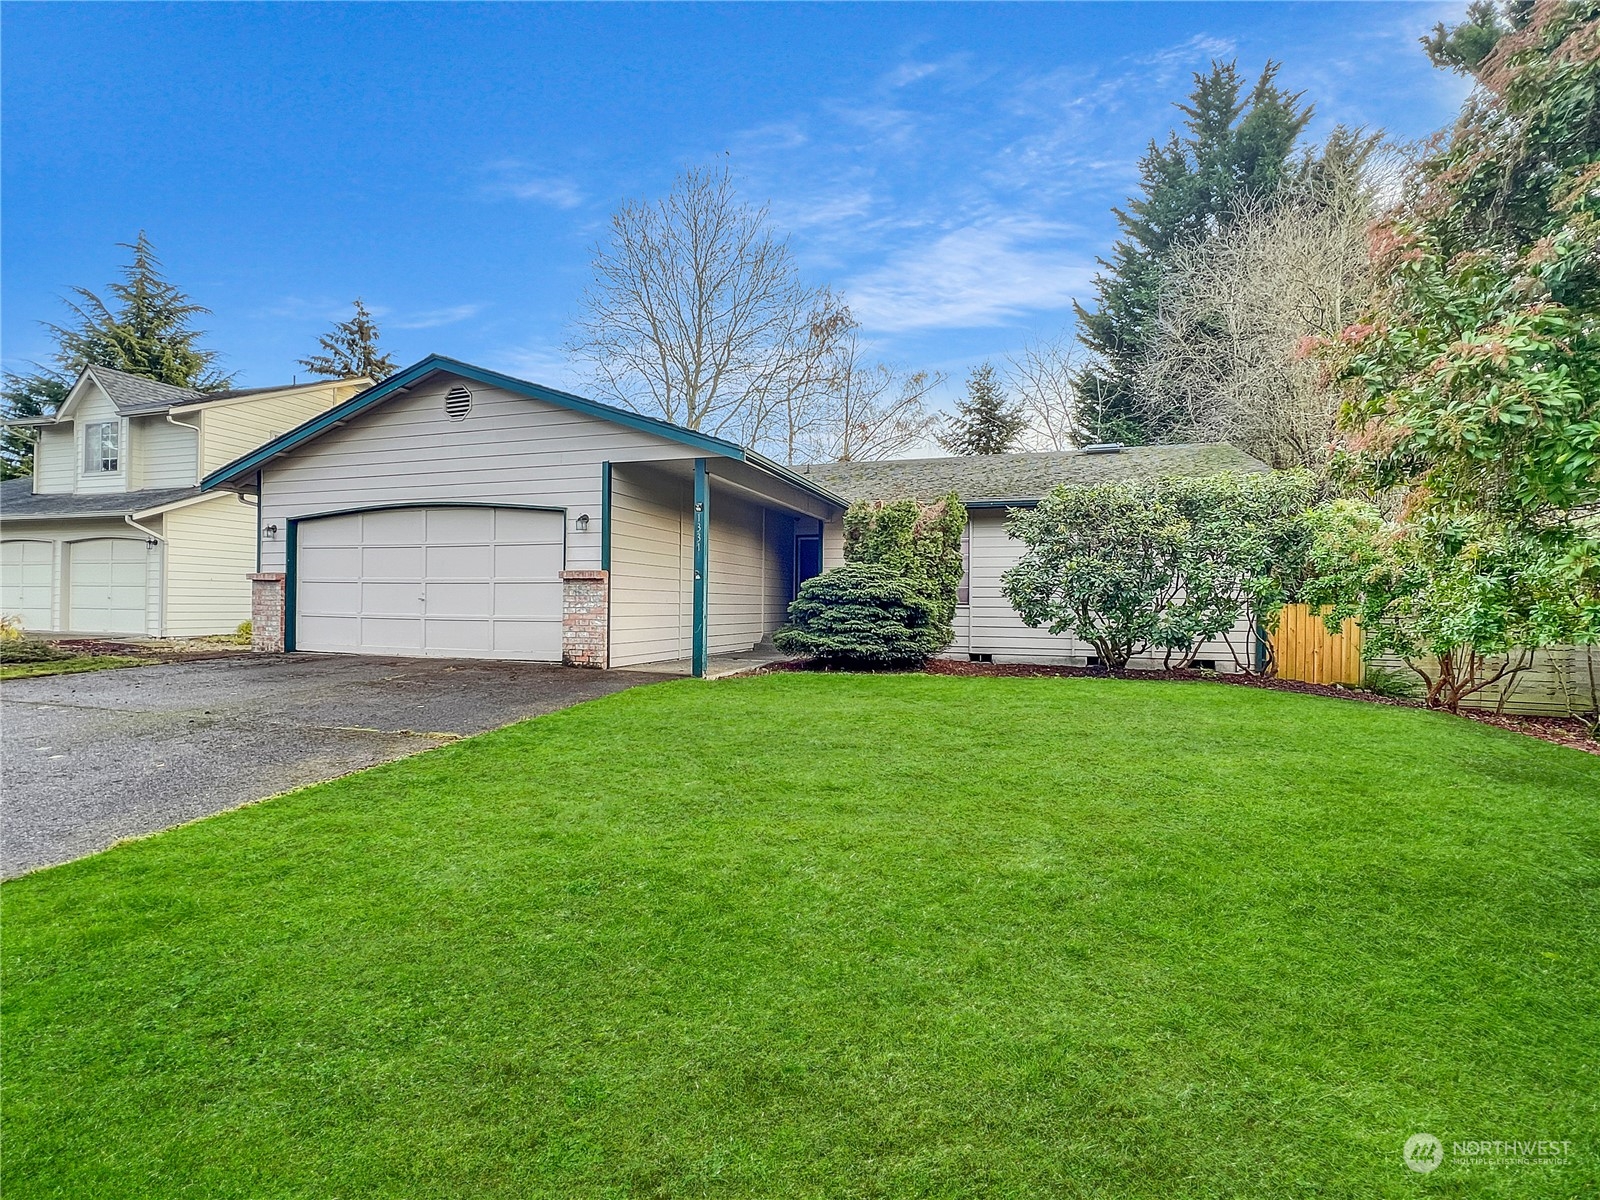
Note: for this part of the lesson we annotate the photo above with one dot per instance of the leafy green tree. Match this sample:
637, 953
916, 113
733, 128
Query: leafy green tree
1460, 598
1235, 146
920, 543
984, 422
863, 614
1163, 565
144, 329
1474, 383
350, 350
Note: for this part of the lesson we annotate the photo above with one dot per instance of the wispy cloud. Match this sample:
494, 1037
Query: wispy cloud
972, 276
432, 318
522, 181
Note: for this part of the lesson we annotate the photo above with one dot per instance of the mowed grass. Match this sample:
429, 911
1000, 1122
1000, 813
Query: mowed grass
808, 935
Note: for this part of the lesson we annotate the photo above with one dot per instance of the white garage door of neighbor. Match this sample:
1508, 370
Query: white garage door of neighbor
25, 570
106, 586
439, 582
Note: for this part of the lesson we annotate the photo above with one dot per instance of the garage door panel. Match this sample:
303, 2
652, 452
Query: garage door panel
527, 600
27, 569
391, 599
533, 639
329, 531
330, 633
391, 635
528, 561
461, 525
392, 562
460, 562
452, 592
106, 585
326, 562
394, 527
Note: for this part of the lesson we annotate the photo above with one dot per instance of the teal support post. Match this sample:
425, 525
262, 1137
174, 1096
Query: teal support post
702, 558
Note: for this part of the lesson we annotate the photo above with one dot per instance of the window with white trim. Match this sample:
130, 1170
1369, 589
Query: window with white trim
101, 446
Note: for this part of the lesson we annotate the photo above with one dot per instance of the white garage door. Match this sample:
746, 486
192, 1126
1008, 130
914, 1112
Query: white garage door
441, 582
25, 570
106, 586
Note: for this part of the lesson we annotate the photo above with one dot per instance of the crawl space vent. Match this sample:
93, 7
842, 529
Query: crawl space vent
457, 403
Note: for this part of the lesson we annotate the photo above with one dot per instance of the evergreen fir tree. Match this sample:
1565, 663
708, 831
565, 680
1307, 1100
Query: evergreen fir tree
984, 423
1234, 146
147, 334
351, 350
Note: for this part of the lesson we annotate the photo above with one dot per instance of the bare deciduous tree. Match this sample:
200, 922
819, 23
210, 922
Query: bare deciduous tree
867, 410
698, 312
1045, 375
1223, 364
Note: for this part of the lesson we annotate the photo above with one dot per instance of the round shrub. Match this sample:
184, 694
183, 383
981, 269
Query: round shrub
862, 614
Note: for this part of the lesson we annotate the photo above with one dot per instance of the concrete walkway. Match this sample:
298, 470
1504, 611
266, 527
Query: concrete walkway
86, 760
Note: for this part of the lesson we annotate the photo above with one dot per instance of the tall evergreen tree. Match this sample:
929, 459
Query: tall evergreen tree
1234, 146
148, 333
351, 350
144, 329
984, 422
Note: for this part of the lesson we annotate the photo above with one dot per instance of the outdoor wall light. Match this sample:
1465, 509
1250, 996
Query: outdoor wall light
583, 523
271, 531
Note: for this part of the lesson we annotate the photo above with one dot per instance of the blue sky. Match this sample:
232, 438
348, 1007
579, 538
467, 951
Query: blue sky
950, 167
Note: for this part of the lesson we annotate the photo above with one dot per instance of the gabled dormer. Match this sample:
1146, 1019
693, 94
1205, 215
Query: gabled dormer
117, 432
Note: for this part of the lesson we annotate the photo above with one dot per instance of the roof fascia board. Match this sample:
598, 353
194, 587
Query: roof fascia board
407, 379
76, 393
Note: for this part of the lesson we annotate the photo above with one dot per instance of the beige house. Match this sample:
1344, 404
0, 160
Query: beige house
112, 534
456, 512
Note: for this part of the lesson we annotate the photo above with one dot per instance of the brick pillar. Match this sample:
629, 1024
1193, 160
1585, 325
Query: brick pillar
266, 612
586, 618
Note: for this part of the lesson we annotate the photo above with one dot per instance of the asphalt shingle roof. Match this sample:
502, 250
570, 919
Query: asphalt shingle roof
998, 477
136, 394
18, 502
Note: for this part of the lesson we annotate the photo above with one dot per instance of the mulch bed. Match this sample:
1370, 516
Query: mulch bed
1562, 731
161, 652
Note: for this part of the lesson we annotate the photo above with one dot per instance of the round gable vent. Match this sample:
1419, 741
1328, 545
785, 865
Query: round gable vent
457, 403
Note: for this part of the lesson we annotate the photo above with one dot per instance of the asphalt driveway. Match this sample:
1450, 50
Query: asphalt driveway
90, 759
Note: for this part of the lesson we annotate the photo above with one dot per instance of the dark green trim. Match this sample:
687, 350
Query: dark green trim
291, 575
702, 561
407, 379
258, 522
605, 515
1000, 503
365, 508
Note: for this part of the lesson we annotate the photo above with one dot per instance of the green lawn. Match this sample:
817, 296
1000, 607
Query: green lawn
69, 666
807, 935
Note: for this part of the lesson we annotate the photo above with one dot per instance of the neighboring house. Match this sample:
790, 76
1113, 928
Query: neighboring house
112, 534
452, 511
987, 627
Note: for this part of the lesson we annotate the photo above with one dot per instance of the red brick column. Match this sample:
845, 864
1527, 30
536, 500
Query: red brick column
586, 618
266, 612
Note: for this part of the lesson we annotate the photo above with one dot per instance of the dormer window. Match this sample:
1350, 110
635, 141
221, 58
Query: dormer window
100, 446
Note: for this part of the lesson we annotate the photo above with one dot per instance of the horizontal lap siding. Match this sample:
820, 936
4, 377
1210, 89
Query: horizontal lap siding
739, 567
509, 450
54, 466
1556, 684
211, 550
652, 580
232, 430
164, 455
780, 567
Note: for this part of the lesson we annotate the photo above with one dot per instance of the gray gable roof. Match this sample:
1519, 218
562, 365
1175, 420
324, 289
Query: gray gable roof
19, 503
1024, 478
135, 393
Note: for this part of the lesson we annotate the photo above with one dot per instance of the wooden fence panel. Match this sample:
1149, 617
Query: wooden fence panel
1306, 651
